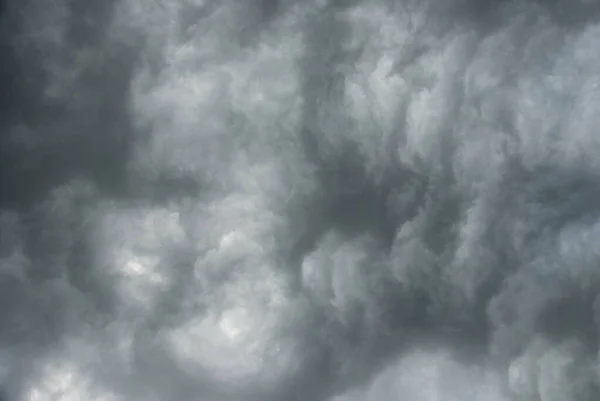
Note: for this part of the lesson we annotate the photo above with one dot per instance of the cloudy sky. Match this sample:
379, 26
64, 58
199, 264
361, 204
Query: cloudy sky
285, 200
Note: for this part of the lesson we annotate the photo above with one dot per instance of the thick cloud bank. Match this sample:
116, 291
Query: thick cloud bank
318, 200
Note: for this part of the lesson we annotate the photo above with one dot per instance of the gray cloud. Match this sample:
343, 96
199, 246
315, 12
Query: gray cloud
279, 200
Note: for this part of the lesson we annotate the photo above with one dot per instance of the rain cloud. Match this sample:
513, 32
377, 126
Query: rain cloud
321, 200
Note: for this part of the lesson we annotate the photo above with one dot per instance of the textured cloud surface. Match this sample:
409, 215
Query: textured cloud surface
318, 200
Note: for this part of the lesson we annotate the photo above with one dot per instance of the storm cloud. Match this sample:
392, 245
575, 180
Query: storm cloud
315, 200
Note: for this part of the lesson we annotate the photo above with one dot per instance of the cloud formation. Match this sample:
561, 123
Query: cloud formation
319, 200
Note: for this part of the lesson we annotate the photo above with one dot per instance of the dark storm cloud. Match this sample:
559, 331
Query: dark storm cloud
64, 97
278, 200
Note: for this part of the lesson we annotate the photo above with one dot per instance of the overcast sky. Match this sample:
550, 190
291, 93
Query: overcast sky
316, 200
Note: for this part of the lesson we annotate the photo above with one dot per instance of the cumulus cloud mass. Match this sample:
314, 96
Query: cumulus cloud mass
317, 200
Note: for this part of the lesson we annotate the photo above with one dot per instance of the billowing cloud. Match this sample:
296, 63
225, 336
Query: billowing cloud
319, 200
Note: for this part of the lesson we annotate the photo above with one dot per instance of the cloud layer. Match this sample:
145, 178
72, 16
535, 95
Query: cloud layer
319, 200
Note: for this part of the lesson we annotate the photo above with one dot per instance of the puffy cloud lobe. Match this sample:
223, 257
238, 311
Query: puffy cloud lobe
300, 200
432, 375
